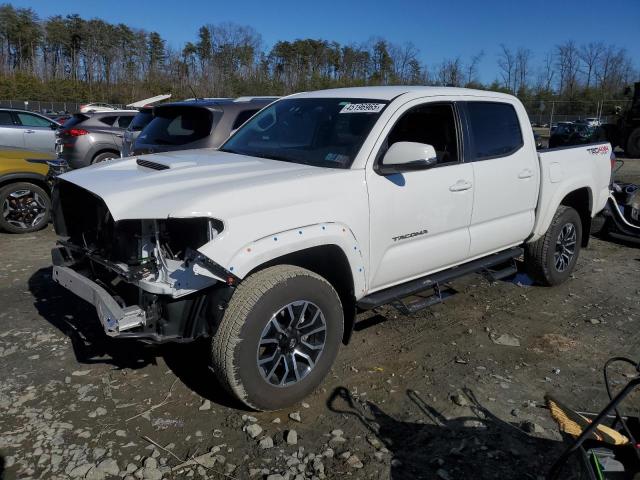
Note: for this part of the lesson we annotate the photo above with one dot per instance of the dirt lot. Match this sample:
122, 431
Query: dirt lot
431, 395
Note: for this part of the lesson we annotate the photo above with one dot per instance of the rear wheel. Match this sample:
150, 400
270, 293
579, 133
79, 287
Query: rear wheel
24, 207
551, 259
101, 157
278, 338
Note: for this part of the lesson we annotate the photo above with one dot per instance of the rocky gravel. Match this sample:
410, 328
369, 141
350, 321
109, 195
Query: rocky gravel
452, 392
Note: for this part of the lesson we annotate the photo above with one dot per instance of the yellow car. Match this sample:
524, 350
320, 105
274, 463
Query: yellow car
25, 200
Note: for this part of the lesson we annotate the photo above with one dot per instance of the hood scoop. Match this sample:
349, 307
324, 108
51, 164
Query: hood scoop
163, 166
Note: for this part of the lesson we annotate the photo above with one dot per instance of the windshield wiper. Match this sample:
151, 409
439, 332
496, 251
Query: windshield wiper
228, 150
273, 157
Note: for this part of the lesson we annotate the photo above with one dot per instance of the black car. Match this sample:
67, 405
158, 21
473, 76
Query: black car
568, 134
198, 123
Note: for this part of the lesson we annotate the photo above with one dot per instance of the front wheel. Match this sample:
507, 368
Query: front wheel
278, 337
551, 259
25, 208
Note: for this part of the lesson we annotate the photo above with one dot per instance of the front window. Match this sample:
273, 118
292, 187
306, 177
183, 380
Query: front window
324, 132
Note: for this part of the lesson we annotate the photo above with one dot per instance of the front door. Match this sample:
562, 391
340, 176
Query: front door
39, 133
419, 220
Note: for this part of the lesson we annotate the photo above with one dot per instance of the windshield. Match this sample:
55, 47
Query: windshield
324, 132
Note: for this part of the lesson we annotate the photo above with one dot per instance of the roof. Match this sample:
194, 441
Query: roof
390, 92
107, 112
220, 102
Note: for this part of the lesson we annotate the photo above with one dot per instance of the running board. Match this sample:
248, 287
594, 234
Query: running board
494, 275
407, 289
409, 307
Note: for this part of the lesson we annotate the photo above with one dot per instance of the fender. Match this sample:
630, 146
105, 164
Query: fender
264, 249
551, 196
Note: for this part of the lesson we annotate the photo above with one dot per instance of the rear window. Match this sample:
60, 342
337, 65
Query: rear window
75, 120
110, 120
494, 128
177, 126
141, 120
124, 121
243, 117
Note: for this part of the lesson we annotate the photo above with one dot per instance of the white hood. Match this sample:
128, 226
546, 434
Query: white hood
200, 183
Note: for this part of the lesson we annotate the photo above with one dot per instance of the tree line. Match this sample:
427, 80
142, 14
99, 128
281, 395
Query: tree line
69, 58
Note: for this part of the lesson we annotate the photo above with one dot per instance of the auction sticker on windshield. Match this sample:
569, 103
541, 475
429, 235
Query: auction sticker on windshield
362, 108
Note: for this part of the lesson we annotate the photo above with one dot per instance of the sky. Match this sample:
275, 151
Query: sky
439, 28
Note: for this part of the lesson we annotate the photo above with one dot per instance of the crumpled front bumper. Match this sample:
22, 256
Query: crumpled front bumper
114, 318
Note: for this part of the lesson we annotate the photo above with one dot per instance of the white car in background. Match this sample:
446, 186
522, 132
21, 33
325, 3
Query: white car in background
97, 107
592, 121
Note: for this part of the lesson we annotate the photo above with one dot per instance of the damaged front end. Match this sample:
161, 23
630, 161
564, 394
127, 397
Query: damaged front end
145, 277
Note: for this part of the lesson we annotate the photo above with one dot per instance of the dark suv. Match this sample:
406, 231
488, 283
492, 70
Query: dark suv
88, 138
199, 123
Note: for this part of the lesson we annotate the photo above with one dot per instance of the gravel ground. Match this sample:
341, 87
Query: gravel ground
455, 391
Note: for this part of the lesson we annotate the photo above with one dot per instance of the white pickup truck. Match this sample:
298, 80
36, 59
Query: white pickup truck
322, 204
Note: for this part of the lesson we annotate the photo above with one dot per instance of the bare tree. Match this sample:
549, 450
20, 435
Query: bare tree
507, 65
590, 56
450, 72
568, 63
522, 60
472, 68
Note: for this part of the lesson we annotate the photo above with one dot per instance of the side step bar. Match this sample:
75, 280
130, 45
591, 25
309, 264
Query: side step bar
397, 293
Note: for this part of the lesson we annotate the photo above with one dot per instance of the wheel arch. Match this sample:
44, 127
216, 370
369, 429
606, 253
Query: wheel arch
34, 178
329, 249
581, 200
331, 263
577, 196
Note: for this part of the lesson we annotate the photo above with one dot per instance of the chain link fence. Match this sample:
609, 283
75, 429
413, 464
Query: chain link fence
42, 106
546, 113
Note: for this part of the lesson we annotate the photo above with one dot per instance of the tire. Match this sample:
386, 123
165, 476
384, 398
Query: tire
633, 144
248, 322
33, 203
540, 256
101, 157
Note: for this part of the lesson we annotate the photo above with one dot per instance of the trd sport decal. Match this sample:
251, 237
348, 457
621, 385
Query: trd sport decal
598, 150
410, 235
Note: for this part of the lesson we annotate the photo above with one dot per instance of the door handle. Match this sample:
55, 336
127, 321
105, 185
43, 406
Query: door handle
29, 131
119, 135
526, 173
460, 186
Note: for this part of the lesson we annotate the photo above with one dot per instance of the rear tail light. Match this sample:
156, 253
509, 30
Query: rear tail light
76, 132
612, 157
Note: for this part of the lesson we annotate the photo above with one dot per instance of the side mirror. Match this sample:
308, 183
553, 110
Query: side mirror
407, 157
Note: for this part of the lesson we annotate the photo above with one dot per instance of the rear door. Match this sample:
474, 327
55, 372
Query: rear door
39, 132
11, 135
506, 176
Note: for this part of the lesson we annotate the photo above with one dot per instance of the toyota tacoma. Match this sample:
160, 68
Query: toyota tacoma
322, 205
